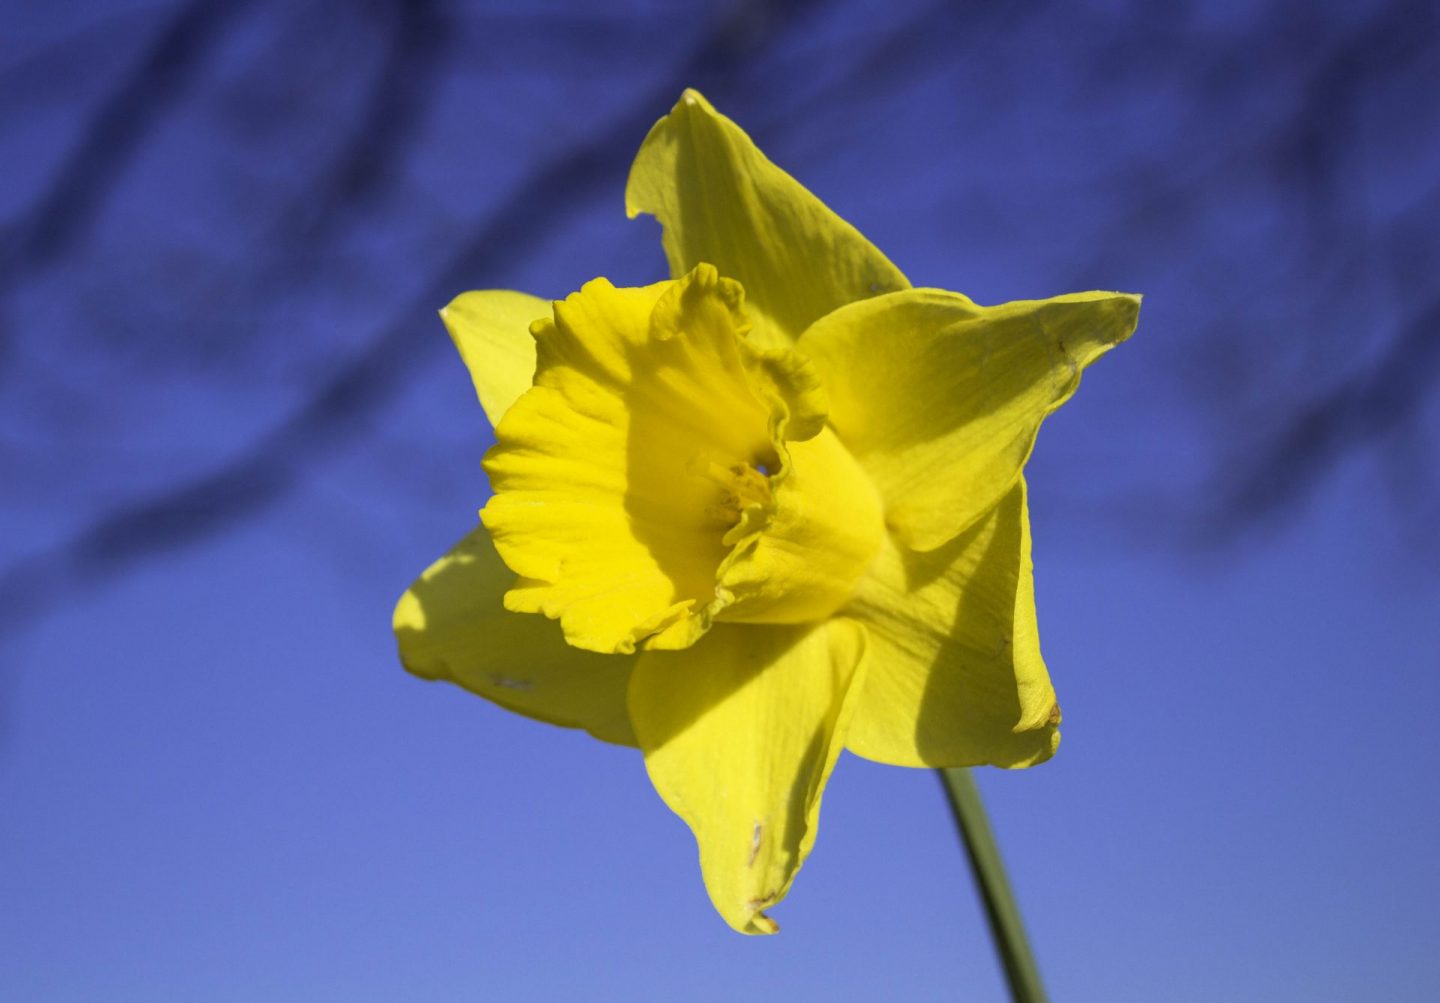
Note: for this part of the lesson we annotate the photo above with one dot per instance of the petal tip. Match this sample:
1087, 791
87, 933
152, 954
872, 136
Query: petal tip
762, 924
1129, 308
691, 98
408, 612
448, 310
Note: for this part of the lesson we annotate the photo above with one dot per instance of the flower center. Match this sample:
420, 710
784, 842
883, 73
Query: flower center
662, 474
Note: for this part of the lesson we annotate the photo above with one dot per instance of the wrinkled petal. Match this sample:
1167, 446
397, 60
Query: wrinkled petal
721, 201
640, 484
601, 505
740, 734
940, 400
953, 673
491, 328
452, 625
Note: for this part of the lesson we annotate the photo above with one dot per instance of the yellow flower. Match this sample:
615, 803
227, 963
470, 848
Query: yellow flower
775, 504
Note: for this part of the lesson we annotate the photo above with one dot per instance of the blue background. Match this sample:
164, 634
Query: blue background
232, 430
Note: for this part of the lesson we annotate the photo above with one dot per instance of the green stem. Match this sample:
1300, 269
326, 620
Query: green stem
1000, 908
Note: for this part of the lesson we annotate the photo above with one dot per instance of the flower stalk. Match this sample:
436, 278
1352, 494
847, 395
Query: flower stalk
1006, 926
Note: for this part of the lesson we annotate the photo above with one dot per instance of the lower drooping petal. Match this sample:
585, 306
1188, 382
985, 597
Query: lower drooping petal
953, 670
662, 474
940, 399
740, 734
452, 624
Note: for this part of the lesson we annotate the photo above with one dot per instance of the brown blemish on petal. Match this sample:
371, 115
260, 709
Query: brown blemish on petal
759, 920
764, 923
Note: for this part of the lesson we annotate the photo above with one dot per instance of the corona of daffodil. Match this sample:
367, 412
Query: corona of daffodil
762, 511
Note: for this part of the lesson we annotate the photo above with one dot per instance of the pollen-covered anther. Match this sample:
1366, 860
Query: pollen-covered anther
750, 486
739, 486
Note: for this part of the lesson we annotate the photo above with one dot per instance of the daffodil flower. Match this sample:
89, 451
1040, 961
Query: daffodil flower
767, 509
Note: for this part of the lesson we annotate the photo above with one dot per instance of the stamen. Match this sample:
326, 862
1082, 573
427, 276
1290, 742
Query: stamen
751, 485
741, 486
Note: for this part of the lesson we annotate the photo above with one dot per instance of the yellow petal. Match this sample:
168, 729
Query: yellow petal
721, 201
953, 673
940, 399
740, 734
452, 625
491, 328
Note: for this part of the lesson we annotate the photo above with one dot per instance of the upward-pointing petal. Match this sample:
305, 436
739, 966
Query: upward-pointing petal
721, 201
